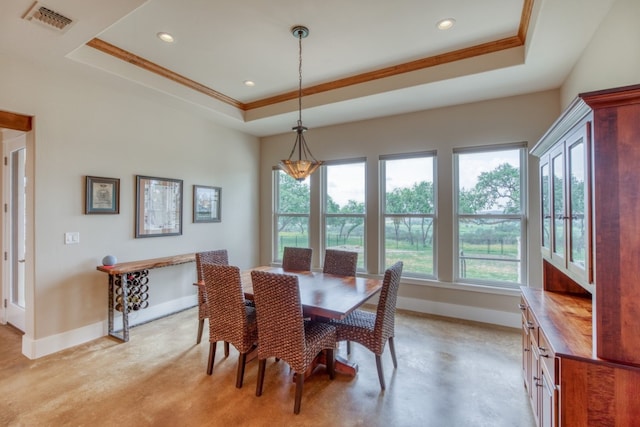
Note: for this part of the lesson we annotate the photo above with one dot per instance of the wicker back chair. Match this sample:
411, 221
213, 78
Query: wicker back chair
282, 331
230, 320
342, 263
374, 330
217, 257
297, 259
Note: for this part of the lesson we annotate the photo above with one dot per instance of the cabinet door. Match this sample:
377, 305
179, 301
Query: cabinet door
558, 206
545, 205
548, 412
526, 347
578, 212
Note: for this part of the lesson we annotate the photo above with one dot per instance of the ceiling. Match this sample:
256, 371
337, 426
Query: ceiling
363, 59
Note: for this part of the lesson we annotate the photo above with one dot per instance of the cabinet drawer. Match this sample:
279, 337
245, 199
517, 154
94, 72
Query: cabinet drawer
532, 325
547, 358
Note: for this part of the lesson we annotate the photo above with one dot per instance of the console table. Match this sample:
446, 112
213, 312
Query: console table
128, 287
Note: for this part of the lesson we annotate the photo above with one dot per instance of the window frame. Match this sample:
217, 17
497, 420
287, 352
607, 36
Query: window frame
383, 215
521, 217
324, 215
275, 258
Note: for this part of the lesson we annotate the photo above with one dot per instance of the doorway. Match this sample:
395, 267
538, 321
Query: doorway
17, 140
15, 153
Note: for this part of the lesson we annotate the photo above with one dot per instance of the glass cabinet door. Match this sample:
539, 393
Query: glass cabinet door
578, 236
558, 237
545, 207
577, 244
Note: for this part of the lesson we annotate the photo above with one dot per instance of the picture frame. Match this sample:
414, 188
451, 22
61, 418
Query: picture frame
158, 206
102, 195
207, 203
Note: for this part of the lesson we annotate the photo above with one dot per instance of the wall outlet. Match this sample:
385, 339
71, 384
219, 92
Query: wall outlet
72, 238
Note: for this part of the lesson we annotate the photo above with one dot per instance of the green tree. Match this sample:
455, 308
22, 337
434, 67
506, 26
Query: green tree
293, 198
417, 199
352, 222
498, 189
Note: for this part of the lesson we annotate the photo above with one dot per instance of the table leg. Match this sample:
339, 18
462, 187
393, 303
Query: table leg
343, 366
111, 307
124, 334
125, 309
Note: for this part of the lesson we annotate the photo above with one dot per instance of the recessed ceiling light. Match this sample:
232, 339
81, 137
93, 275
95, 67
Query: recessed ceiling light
249, 83
165, 37
445, 24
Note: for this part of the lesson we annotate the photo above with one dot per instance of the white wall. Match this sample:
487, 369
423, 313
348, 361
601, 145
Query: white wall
515, 119
89, 123
612, 58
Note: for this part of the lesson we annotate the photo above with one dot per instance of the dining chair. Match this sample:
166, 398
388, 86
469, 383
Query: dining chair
342, 263
230, 319
217, 257
373, 330
296, 259
282, 331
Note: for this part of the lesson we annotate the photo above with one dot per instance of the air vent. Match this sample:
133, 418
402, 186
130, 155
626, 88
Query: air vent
48, 17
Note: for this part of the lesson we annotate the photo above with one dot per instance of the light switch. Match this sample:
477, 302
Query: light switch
72, 238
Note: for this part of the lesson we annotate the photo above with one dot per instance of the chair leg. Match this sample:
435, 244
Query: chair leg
240, 375
200, 328
226, 349
380, 374
261, 366
348, 347
212, 355
392, 348
299, 386
331, 362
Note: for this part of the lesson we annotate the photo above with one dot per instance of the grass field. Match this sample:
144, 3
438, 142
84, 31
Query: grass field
503, 264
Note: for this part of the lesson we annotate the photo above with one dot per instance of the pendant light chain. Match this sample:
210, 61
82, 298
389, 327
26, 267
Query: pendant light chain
299, 78
306, 163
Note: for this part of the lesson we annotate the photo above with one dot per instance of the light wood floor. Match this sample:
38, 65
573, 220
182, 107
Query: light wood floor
450, 373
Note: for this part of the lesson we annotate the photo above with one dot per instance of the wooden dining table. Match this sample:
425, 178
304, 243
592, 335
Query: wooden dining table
325, 297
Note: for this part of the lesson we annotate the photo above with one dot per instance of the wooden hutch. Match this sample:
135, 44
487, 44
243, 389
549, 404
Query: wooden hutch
581, 332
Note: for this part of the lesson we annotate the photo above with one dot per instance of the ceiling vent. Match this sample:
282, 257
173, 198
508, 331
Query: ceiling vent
48, 17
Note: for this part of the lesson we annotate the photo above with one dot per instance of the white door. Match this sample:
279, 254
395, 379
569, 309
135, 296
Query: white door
15, 154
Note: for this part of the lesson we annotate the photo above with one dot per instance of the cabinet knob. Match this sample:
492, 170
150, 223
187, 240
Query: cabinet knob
522, 306
530, 325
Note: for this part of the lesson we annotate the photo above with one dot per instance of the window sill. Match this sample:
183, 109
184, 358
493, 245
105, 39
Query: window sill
485, 289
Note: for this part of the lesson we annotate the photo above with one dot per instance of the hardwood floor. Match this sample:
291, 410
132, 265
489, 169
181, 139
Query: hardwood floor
450, 373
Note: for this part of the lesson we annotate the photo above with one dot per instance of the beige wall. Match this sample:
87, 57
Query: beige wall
515, 119
89, 123
92, 124
612, 58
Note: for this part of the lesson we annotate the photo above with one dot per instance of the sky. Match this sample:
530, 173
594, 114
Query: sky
347, 182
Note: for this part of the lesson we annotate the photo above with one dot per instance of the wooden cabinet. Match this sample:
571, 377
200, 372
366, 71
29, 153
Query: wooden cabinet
565, 195
539, 368
581, 334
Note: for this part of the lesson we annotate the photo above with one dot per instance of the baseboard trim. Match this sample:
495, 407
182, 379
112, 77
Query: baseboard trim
465, 312
34, 349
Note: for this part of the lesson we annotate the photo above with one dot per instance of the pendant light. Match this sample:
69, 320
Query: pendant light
305, 164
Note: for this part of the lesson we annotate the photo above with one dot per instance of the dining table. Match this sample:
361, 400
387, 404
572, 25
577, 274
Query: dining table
324, 297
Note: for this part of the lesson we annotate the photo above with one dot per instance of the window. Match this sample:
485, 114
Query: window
291, 216
490, 215
345, 208
408, 212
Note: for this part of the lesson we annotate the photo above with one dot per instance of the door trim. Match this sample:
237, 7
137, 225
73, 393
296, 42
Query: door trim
23, 123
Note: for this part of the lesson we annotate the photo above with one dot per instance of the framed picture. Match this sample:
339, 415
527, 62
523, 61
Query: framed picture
158, 206
206, 203
102, 195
